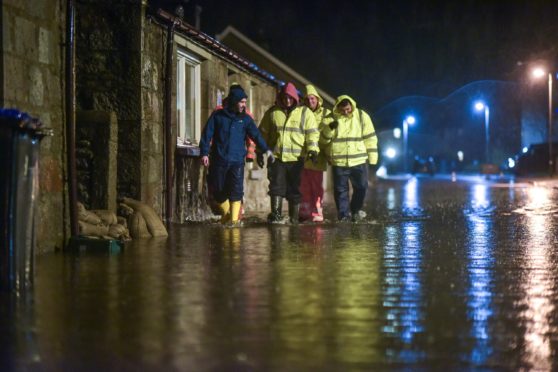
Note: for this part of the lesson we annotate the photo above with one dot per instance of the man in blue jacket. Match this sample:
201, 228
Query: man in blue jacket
223, 150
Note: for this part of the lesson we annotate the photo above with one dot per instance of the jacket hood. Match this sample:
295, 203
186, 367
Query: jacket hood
311, 90
290, 89
341, 98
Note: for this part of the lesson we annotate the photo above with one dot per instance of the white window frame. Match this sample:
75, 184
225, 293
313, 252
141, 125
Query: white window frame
188, 94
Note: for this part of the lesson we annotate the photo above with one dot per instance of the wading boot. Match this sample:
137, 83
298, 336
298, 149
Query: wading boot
276, 206
293, 212
225, 211
235, 213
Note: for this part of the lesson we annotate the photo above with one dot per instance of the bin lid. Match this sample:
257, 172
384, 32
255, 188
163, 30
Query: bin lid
18, 120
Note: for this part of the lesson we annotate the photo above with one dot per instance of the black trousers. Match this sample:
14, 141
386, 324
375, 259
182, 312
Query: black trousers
358, 175
284, 179
226, 181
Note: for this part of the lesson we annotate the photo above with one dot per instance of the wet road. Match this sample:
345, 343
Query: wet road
443, 276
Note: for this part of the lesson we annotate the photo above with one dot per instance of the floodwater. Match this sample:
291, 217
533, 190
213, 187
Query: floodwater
443, 275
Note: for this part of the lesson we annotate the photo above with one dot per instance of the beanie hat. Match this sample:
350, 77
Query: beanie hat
236, 94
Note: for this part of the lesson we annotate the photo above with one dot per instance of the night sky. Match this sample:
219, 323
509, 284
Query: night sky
378, 51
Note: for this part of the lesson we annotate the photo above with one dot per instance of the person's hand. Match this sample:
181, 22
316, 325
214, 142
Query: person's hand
313, 156
260, 159
333, 125
373, 168
205, 161
270, 157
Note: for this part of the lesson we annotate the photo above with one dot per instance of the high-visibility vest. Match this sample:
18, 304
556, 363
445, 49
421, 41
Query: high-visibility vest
354, 142
292, 135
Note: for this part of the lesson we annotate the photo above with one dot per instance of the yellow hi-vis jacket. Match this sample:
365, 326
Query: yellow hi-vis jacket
319, 114
290, 136
354, 141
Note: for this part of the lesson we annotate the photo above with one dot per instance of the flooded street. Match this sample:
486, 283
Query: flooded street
442, 275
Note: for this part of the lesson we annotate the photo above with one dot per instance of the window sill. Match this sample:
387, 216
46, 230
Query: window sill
188, 151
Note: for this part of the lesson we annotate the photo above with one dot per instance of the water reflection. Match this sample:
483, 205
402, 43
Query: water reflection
473, 288
326, 295
480, 266
411, 199
403, 298
539, 283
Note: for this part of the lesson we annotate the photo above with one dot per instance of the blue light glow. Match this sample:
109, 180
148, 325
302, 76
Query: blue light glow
511, 163
479, 105
391, 153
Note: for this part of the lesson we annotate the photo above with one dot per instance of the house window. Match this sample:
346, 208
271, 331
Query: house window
188, 97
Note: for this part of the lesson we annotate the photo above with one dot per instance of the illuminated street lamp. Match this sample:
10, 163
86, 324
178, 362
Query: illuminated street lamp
483, 107
539, 73
409, 120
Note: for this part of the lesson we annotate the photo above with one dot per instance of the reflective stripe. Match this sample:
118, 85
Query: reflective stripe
361, 121
373, 134
303, 118
292, 151
347, 139
312, 144
291, 129
311, 130
373, 150
349, 156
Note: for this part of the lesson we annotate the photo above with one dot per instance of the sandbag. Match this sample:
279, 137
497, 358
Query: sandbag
106, 216
119, 232
153, 222
122, 221
88, 229
86, 216
137, 226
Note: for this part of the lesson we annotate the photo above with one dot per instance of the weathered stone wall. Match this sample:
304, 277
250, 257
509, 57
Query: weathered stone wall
108, 78
96, 158
31, 81
152, 109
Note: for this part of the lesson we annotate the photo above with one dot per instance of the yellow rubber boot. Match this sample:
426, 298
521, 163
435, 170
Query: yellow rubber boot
235, 211
225, 211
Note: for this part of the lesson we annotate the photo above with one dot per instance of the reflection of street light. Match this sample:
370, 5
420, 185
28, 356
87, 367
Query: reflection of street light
537, 74
409, 120
481, 106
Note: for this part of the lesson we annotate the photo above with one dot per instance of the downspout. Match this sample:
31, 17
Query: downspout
71, 115
169, 143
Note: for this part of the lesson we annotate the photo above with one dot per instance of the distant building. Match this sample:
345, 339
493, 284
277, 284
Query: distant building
265, 60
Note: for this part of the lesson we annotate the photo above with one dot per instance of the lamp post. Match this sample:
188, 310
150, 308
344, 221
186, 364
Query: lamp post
483, 107
409, 120
537, 74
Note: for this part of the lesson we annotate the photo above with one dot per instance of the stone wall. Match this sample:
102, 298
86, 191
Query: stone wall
108, 78
153, 42
31, 81
96, 158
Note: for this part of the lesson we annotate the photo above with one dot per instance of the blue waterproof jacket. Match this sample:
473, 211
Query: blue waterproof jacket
224, 136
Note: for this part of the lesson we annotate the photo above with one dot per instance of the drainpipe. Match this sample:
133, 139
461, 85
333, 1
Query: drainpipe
71, 115
169, 142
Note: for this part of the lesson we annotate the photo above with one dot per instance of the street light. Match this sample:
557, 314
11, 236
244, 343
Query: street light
538, 73
409, 120
483, 107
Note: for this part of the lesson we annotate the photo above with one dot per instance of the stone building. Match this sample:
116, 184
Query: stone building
125, 93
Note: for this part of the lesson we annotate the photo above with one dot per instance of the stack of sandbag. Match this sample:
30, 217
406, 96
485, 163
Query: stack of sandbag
143, 221
101, 224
